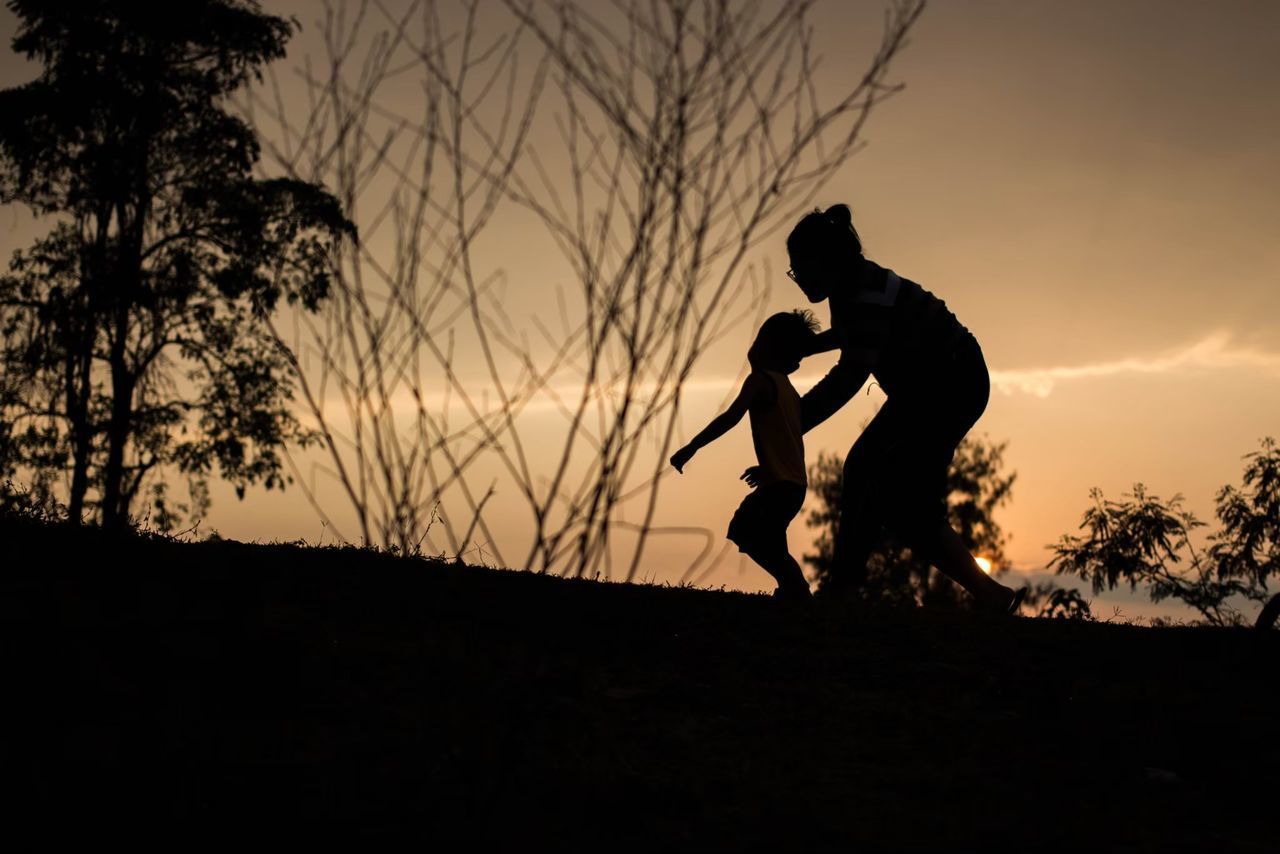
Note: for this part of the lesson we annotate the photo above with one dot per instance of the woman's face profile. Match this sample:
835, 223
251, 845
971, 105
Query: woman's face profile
811, 278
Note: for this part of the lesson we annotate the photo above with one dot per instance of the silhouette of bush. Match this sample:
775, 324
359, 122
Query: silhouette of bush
1145, 541
1059, 603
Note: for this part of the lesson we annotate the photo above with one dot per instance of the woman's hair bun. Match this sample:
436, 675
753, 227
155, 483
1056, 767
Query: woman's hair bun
840, 215
822, 233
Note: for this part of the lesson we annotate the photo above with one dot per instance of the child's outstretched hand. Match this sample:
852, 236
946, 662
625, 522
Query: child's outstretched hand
681, 457
751, 476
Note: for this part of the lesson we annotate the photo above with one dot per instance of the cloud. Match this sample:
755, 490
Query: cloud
1214, 352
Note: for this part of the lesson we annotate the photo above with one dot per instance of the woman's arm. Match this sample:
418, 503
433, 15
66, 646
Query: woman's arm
835, 389
861, 331
824, 342
752, 387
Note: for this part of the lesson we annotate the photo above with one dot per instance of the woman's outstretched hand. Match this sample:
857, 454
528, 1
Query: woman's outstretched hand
824, 342
681, 457
752, 476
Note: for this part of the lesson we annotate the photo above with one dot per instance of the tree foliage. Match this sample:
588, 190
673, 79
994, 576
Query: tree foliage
135, 333
1144, 541
977, 486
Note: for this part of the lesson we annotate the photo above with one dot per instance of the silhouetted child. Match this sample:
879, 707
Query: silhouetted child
759, 527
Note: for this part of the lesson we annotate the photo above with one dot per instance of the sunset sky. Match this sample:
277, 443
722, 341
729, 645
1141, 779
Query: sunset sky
1094, 189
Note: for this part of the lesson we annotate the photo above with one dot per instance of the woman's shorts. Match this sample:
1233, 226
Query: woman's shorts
764, 514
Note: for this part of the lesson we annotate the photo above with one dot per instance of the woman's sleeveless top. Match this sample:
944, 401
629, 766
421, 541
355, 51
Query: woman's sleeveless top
897, 326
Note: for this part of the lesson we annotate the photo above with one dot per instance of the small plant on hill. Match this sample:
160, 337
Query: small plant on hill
23, 501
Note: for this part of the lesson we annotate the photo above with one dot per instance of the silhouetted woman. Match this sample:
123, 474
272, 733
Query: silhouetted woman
932, 370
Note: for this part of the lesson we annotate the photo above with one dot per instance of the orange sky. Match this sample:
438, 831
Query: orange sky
1093, 187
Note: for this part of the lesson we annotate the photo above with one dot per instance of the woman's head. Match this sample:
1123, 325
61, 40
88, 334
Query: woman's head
783, 340
824, 248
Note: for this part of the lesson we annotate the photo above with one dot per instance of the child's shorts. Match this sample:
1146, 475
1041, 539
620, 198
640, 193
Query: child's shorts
762, 517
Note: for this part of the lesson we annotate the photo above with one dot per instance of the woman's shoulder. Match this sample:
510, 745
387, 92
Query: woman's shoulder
879, 287
888, 288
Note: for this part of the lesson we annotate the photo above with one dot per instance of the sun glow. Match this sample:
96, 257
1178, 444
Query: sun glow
984, 564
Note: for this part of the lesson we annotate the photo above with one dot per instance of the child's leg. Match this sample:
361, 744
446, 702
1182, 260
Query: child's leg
769, 550
759, 528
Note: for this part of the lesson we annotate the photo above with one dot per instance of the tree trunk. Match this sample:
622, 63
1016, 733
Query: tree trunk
77, 414
1269, 614
114, 515
79, 480
78, 392
115, 505
131, 219
77, 364
81, 327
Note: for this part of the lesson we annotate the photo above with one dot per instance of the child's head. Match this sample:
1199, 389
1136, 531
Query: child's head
783, 340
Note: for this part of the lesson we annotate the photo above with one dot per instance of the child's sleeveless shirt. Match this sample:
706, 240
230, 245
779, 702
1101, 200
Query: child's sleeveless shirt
777, 435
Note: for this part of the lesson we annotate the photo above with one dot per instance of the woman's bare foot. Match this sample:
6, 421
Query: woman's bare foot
1006, 600
1011, 602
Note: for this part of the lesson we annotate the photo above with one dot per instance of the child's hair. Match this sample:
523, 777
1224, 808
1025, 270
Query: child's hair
825, 236
786, 334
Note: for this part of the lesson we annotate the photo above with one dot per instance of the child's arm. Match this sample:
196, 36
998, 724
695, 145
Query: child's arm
722, 423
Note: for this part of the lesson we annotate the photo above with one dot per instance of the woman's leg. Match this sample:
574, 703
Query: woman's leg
862, 495
969, 389
945, 550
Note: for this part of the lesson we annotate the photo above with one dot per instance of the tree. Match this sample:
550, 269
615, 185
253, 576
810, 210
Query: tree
977, 486
670, 139
135, 331
1143, 540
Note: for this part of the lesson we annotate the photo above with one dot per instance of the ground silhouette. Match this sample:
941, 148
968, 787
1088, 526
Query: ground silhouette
218, 689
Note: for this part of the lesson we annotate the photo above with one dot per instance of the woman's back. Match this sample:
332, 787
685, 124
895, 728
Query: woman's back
897, 326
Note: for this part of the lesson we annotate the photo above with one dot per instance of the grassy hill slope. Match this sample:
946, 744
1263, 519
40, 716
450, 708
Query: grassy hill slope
319, 692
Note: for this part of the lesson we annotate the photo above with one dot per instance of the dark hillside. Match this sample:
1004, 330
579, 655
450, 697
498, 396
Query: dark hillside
312, 693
